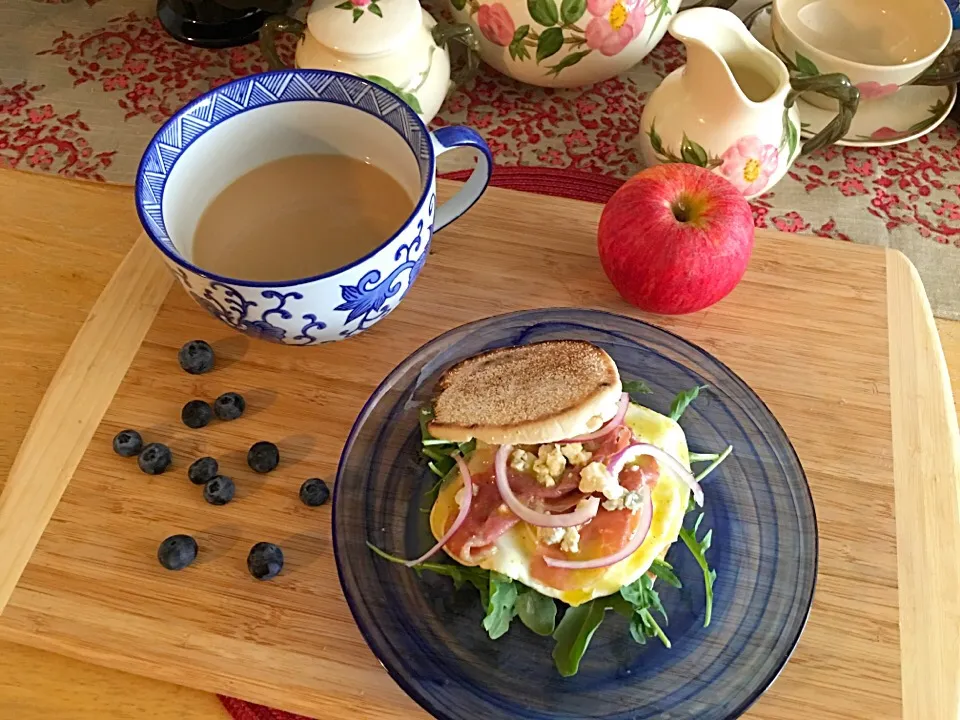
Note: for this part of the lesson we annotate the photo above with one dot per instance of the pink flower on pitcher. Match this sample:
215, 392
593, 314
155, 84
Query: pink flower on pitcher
749, 163
872, 90
496, 24
614, 25
360, 3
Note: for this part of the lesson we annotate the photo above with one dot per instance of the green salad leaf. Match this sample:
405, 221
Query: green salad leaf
460, 574
439, 453
538, 612
664, 571
573, 634
683, 400
636, 387
698, 548
501, 605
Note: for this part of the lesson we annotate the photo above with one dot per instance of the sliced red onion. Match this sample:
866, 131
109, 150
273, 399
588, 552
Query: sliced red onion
614, 423
636, 540
461, 516
585, 511
631, 452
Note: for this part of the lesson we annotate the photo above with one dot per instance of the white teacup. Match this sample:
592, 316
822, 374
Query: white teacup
880, 45
247, 123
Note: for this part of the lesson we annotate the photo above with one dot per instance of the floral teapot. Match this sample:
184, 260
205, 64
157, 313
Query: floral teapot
394, 43
567, 43
732, 109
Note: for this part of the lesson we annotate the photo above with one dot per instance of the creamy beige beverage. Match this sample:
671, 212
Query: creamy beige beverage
299, 216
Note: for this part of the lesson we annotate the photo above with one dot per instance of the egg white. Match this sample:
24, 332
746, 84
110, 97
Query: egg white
515, 547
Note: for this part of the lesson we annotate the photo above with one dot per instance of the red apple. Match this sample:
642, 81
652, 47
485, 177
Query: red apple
675, 238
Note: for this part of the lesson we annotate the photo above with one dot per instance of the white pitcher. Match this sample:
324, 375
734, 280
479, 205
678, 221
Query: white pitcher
731, 108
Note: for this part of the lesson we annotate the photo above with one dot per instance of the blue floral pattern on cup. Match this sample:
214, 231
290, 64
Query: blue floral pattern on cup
334, 305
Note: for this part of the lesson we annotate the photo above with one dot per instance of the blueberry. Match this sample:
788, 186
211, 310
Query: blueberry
203, 470
154, 458
196, 414
219, 490
314, 492
229, 406
263, 456
127, 443
265, 561
196, 357
177, 551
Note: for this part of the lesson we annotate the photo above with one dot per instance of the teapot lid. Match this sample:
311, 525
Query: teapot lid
363, 27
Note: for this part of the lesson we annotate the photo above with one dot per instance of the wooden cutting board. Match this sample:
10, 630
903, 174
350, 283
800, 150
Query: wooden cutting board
836, 338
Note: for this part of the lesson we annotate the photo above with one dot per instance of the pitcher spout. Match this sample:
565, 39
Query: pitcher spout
725, 62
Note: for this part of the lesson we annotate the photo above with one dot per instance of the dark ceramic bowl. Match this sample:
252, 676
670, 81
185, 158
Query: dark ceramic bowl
428, 636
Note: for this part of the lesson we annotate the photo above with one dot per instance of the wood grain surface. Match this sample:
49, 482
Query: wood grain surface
809, 311
60, 242
926, 465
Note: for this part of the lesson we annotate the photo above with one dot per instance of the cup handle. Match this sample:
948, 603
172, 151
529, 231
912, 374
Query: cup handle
945, 70
837, 86
448, 138
444, 33
273, 26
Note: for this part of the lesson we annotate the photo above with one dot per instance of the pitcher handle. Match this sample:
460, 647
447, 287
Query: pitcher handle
834, 85
448, 138
273, 26
444, 33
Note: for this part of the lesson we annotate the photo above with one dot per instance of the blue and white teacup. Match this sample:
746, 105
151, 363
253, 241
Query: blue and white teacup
246, 123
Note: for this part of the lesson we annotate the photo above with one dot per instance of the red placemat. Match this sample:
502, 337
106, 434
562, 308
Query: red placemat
571, 184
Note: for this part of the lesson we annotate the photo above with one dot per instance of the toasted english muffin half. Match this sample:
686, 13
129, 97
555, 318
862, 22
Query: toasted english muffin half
529, 394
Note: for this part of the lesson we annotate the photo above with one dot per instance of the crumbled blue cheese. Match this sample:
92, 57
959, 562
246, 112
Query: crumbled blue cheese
567, 538
521, 460
631, 500
575, 453
550, 535
596, 478
549, 465
571, 539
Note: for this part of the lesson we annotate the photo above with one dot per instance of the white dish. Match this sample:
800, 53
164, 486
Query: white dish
910, 113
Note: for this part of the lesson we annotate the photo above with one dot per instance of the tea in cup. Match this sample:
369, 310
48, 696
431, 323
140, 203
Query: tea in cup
298, 205
880, 45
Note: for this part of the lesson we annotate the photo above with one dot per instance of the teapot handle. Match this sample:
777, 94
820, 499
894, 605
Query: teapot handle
273, 26
834, 85
443, 33
722, 4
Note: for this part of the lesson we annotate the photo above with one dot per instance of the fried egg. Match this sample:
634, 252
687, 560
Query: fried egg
516, 549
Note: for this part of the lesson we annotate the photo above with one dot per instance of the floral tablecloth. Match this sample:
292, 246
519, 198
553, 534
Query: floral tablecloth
84, 84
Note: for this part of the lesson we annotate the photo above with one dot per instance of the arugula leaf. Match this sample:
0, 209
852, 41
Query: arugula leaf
501, 606
538, 612
643, 599
683, 400
703, 457
643, 625
713, 466
460, 574
664, 571
573, 635
698, 548
636, 387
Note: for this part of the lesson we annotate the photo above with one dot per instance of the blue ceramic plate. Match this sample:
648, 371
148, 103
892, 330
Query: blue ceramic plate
428, 635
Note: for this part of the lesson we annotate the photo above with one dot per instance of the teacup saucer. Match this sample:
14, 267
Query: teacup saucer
911, 112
